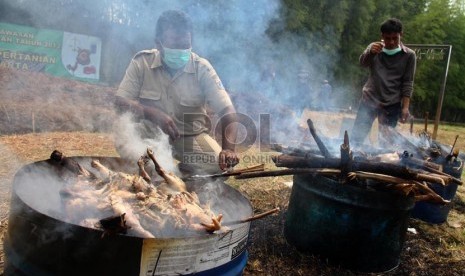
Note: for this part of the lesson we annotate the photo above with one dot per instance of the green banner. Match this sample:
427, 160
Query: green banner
58, 53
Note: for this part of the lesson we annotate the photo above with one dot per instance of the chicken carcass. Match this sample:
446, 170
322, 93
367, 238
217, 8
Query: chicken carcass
146, 208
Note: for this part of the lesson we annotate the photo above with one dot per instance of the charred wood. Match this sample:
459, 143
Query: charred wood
324, 151
428, 194
58, 158
453, 151
424, 193
396, 170
256, 168
346, 157
411, 161
114, 225
321, 171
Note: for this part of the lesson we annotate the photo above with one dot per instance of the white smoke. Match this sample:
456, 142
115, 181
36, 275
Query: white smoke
131, 145
232, 35
10, 164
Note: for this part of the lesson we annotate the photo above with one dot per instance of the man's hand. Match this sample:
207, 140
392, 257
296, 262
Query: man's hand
376, 47
227, 159
164, 121
405, 115
143, 109
167, 125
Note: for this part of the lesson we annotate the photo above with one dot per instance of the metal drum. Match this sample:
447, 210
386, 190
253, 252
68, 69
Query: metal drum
40, 241
436, 213
357, 228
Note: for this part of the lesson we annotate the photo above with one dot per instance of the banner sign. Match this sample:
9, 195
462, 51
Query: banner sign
430, 52
58, 53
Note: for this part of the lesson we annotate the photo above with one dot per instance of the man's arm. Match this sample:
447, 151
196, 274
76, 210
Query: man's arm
405, 109
150, 113
407, 87
220, 102
370, 52
229, 128
228, 157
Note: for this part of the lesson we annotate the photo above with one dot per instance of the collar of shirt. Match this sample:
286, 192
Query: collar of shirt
403, 47
189, 68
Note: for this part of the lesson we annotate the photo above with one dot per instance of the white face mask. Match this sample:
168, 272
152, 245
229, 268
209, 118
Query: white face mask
391, 52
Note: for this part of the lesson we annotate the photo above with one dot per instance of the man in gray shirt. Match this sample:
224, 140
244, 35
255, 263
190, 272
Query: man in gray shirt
386, 94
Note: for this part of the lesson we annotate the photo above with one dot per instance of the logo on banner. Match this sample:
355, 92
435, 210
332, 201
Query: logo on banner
79, 55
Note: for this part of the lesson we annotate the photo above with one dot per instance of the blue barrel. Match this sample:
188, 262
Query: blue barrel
232, 268
436, 213
360, 229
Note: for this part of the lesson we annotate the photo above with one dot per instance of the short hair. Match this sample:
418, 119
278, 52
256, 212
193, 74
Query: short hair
392, 25
173, 19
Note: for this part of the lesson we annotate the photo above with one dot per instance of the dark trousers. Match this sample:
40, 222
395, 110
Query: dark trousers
366, 115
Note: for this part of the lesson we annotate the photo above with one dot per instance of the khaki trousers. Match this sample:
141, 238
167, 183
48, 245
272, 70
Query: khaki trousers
197, 153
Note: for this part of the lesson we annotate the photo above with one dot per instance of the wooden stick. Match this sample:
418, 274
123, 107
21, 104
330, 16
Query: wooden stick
393, 179
327, 172
433, 196
411, 125
453, 145
320, 144
259, 216
394, 169
419, 163
58, 158
257, 168
430, 195
405, 188
295, 151
33, 123
377, 177
432, 178
426, 122
346, 156
449, 177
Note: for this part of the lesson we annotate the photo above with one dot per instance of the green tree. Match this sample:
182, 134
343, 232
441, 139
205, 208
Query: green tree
443, 24
353, 41
454, 100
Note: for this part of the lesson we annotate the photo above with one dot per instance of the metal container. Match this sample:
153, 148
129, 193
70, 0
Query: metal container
436, 213
39, 241
357, 228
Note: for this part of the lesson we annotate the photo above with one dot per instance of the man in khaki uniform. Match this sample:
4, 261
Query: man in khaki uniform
170, 87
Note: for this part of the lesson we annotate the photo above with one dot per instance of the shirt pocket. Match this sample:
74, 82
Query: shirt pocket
192, 98
151, 94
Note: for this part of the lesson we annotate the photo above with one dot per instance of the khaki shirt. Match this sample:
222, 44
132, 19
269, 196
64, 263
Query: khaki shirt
183, 96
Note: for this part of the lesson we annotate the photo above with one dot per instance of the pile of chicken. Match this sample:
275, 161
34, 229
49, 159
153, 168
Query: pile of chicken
117, 202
